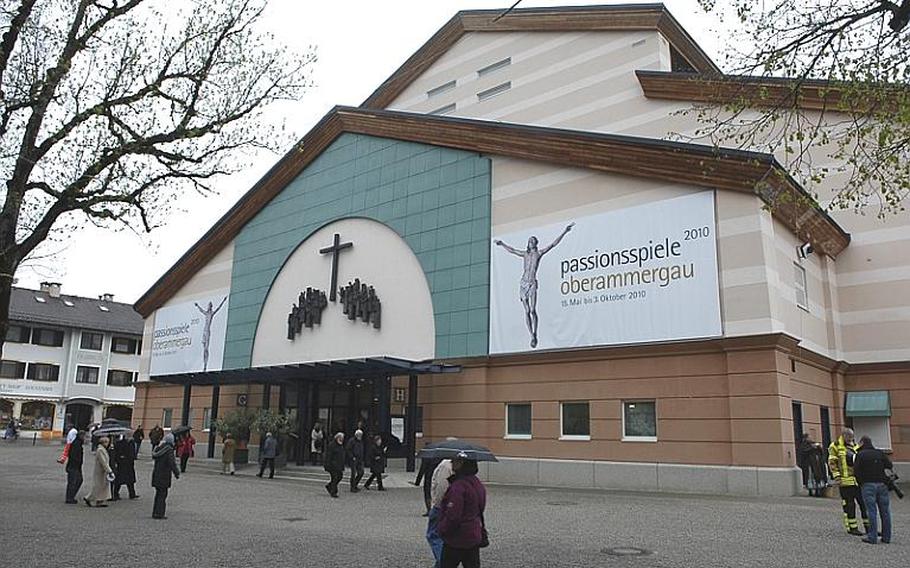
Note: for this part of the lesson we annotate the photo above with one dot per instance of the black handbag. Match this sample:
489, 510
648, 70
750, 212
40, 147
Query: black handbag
484, 536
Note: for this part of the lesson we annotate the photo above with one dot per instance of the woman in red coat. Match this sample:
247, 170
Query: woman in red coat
185, 450
461, 519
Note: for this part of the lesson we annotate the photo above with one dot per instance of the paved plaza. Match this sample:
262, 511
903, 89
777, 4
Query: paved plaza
245, 521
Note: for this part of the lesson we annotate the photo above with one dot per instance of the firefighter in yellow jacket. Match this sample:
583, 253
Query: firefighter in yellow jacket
841, 454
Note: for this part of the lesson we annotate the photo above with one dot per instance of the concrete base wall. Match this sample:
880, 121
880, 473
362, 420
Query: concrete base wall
655, 477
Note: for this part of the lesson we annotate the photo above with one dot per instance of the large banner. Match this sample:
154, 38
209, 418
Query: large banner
189, 337
642, 274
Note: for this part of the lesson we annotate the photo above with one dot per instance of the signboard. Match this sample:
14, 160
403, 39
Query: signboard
189, 337
642, 274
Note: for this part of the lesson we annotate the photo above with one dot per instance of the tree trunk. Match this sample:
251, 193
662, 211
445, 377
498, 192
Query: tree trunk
7, 270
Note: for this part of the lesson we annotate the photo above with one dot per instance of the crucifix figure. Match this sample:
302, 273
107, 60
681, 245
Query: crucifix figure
337, 247
527, 290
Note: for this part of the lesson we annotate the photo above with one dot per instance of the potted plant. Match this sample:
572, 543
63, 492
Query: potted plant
239, 424
279, 424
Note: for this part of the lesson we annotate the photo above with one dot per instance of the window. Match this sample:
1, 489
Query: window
575, 421
47, 337
116, 378
87, 375
43, 372
206, 419
799, 282
124, 345
12, 370
441, 89
494, 67
639, 421
492, 92
518, 421
91, 341
37, 415
18, 334
444, 110
166, 416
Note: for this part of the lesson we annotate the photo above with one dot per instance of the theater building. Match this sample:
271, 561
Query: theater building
501, 244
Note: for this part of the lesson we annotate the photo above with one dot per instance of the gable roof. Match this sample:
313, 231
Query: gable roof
617, 17
704, 166
84, 313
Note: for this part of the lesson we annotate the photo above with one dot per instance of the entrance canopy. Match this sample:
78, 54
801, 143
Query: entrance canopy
317, 371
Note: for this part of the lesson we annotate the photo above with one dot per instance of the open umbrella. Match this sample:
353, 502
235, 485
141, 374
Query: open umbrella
110, 431
451, 449
180, 430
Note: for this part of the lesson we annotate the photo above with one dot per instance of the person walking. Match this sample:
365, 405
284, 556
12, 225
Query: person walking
165, 465
227, 454
102, 475
439, 485
186, 448
355, 454
818, 470
461, 517
334, 463
377, 461
803, 448
156, 434
869, 467
841, 456
138, 436
268, 453
124, 458
317, 443
74, 467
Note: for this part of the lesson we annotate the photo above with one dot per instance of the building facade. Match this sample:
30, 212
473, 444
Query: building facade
626, 311
68, 360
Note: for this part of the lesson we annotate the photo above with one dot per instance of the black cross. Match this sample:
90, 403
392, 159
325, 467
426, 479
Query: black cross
336, 248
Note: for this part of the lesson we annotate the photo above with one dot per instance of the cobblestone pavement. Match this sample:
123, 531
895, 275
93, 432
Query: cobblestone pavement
245, 521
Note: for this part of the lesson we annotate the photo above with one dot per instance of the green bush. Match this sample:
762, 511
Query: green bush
238, 423
278, 423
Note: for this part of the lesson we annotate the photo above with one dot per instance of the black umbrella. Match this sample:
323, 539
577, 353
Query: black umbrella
452, 449
179, 430
110, 431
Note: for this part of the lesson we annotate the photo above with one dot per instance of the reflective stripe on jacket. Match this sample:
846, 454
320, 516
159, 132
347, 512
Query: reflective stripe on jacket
840, 461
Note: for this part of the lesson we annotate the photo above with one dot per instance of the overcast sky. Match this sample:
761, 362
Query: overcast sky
359, 44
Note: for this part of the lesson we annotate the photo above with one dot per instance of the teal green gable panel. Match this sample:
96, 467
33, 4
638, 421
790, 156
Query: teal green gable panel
437, 199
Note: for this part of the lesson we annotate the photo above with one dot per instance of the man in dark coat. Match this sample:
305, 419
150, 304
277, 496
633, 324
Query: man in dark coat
124, 458
355, 454
269, 453
138, 436
165, 465
869, 468
376, 461
334, 463
74, 468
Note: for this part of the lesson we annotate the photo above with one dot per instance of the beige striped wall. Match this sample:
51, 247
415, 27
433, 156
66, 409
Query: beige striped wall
859, 309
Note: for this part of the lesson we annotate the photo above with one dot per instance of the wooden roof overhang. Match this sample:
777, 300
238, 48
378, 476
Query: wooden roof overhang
806, 94
618, 17
698, 165
337, 370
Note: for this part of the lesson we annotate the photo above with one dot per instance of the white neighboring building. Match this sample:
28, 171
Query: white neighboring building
68, 359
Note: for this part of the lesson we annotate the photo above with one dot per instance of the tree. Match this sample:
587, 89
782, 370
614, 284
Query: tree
111, 108
823, 85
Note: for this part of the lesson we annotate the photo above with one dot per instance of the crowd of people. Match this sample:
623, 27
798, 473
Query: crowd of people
861, 474
114, 465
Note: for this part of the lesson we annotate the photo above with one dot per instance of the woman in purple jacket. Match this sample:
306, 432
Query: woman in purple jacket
461, 518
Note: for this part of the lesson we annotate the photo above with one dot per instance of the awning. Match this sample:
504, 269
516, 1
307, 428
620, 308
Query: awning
868, 403
343, 369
